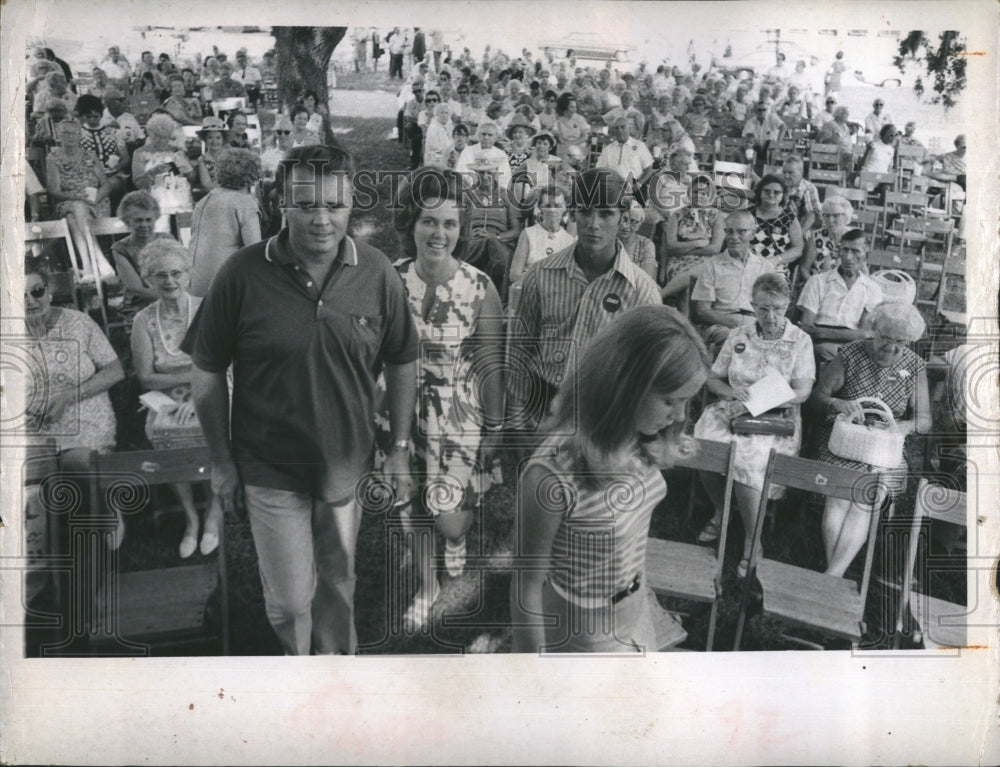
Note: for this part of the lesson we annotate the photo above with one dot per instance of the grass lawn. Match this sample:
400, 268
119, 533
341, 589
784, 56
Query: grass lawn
473, 614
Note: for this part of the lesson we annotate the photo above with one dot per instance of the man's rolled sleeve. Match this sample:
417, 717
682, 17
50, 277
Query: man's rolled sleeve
704, 286
810, 298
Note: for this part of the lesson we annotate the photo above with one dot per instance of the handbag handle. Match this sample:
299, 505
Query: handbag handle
882, 410
896, 275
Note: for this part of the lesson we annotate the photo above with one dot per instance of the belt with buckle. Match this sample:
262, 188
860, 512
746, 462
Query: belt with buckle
630, 589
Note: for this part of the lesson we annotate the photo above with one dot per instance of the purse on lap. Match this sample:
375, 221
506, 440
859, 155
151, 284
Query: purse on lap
779, 422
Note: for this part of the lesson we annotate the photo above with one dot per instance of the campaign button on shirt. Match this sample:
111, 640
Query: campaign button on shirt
611, 302
740, 348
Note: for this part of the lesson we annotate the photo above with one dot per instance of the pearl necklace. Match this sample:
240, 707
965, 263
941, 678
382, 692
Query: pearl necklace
176, 352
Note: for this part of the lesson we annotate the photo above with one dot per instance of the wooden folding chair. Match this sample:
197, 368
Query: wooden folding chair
62, 283
954, 266
733, 149
165, 606
686, 570
854, 196
777, 151
938, 623
835, 178
704, 153
822, 157
797, 596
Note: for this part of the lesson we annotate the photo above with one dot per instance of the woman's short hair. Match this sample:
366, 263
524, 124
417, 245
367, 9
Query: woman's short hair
548, 194
428, 186
649, 349
834, 203
773, 284
233, 115
37, 265
897, 317
296, 110
237, 168
460, 128
161, 125
138, 200
888, 133
306, 94
770, 178
88, 104
562, 103
159, 248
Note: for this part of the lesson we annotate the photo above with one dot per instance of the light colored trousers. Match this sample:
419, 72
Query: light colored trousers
305, 548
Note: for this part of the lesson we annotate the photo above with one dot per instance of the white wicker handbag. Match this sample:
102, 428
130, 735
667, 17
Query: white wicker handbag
896, 285
850, 438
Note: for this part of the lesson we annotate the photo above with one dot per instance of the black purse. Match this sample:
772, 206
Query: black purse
780, 422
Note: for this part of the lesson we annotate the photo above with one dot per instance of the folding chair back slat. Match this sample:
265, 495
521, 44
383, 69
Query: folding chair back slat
800, 596
931, 615
123, 480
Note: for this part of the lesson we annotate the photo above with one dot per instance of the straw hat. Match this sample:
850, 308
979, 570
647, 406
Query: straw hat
211, 123
518, 121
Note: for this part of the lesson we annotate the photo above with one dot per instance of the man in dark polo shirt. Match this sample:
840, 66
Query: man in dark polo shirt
307, 319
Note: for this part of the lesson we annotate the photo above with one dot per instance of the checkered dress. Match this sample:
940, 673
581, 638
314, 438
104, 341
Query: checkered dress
772, 238
893, 385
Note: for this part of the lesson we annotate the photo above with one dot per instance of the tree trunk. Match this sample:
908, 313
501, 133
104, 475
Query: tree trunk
303, 55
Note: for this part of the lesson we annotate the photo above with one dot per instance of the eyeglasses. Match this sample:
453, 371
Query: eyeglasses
883, 339
283, 132
175, 274
778, 309
37, 293
433, 101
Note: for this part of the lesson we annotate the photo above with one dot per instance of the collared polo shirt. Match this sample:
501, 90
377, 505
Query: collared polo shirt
560, 311
305, 361
728, 282
827, 296
631, 158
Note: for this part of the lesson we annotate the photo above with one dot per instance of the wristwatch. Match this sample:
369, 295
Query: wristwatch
401, 444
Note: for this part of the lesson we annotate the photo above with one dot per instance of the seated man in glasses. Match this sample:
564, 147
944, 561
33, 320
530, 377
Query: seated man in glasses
721, 297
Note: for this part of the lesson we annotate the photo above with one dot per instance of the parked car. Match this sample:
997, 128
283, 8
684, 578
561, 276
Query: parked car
583, 45
762, 58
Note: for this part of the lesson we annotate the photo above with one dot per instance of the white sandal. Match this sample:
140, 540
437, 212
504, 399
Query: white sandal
419, 612
454, 557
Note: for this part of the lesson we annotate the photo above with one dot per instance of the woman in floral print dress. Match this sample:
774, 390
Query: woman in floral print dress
459, 401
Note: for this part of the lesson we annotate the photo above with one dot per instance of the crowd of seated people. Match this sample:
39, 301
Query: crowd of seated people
766, 261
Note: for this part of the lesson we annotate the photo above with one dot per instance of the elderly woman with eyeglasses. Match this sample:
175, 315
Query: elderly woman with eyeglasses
822, 247
160, 365
640, 249
70, 404
748, 354
881, 366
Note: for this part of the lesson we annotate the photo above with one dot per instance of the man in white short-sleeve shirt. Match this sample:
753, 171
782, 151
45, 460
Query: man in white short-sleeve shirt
837, 305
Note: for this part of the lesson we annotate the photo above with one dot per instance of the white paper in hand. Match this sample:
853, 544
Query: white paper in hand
769, 392
157, 401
